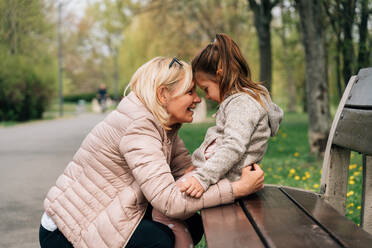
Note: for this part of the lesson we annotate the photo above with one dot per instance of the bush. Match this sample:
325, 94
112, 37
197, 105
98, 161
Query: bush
25, 92
88, 97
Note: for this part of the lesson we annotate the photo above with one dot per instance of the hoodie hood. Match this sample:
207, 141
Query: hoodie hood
274, 112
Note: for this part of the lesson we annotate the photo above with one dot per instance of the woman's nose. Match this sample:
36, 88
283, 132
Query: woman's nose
197, 98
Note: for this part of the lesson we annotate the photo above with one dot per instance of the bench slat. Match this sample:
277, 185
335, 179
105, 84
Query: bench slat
343, 229
228, 226
361, 93
282, 223
354, 130
366, 216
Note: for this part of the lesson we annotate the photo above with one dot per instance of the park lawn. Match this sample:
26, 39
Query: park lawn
288, 162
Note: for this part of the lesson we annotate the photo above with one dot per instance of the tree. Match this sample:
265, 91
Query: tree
262, 20
311, 20
288, 52
364, 49
341, 14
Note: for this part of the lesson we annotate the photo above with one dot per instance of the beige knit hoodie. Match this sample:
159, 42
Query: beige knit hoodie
127, 161
240, 138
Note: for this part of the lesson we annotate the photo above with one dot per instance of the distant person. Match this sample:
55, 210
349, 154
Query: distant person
102, 96
128, 165
245, 120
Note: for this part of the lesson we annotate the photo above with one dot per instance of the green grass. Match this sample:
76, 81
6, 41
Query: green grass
288, 162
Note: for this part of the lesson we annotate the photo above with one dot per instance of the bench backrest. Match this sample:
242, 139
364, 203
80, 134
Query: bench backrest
351, 131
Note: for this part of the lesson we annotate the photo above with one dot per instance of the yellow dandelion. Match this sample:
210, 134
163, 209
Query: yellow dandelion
350, 193
350, 205
296, 154
351, 212
358, 207
284, 135
297, 178
316, 186
292, 171
360, 168
280, 169
307, 174
350, 167
304, 178
351, 178
352, 182
356, 173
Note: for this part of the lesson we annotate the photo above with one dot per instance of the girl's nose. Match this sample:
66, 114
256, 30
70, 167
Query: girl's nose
197, 98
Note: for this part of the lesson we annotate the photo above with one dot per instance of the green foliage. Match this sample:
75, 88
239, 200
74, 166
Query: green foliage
26, 75
25, 92
88, 97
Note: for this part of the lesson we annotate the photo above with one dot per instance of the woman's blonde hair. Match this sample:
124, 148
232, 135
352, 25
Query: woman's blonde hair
155, 73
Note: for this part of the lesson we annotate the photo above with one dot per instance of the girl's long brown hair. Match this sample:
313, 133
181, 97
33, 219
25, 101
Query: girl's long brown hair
224, 54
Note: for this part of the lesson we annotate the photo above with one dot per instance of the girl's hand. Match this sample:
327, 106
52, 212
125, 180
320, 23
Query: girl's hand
190, 168
192, 187
251, 181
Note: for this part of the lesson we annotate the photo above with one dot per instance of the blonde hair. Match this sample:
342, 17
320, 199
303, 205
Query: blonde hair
155, 73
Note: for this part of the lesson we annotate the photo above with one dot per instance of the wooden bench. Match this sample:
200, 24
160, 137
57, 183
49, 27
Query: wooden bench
279, 216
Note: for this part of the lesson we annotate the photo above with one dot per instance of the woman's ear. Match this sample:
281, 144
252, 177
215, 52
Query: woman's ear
219, 72
163, 94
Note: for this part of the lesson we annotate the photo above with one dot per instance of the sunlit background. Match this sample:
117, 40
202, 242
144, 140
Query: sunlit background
55, 54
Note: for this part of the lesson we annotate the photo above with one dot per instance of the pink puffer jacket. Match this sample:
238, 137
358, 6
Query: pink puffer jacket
127, 161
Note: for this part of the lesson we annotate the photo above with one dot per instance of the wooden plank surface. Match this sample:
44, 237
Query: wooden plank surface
354, 130
228, 226
366, 217
282, 223
361, 93
349, 234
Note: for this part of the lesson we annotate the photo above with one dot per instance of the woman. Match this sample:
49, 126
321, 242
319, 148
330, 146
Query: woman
129, 163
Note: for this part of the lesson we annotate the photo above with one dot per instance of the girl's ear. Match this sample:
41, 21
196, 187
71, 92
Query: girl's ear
162, 94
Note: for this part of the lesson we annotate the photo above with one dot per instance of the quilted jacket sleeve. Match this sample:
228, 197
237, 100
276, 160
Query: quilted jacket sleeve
142, 149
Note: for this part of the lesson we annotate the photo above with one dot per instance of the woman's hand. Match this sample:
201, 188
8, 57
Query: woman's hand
251, 181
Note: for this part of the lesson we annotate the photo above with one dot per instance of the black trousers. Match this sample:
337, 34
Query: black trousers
148, 234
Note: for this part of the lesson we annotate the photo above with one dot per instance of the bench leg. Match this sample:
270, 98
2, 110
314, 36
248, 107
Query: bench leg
366, 214
335, 178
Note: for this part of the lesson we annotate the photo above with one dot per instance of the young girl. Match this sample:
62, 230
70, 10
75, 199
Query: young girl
245, 120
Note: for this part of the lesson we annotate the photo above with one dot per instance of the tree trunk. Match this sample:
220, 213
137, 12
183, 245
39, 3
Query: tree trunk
347, 48
311, 19
363, 55
288, 66
262, 20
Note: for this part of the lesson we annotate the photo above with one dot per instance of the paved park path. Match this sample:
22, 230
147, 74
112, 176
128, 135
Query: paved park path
31, 157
